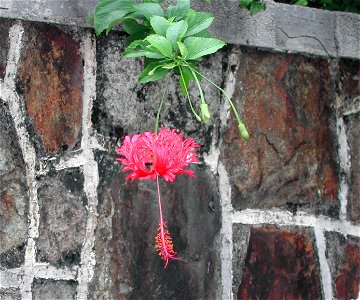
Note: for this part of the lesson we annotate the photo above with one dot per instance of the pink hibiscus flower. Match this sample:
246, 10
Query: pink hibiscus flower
149, 156
166, 154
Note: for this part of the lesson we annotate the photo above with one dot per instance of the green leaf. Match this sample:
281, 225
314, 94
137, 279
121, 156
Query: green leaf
89, 19
140, 48
301, 2
197, 22
155, 51
199, 47
159, 24
257, 7
161, 44
187, 76
153, 1
203, 33
153, 72
183, 50
109, 12
132, 27
148, 10
179, 11
176, 32
135, 37
245, 3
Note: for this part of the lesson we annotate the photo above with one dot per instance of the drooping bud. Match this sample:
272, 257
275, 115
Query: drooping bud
205, 113
243, 131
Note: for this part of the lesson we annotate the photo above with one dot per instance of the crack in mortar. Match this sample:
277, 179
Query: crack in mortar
90, 170
306, 36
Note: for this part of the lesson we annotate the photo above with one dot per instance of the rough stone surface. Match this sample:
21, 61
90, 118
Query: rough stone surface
50, 78
63, 218
125, 106
347, 34
353, 124
10, 294
127, 264
13, 194
45, 289
348, 88
241, 235
293, 32
290, 160
343, 254
280, 264
281, 27
4, 38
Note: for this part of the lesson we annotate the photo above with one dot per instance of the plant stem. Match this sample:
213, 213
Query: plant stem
161, 104
243, 131
197, 117
199, 86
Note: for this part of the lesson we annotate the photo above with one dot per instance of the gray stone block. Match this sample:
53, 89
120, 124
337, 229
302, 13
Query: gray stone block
46, 289
10, 294
281, 27
348, 34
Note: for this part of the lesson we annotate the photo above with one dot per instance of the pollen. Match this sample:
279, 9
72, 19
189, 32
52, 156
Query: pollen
164, 244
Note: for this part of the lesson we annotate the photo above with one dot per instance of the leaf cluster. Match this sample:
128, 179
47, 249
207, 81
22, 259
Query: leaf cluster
254, 6
170, 39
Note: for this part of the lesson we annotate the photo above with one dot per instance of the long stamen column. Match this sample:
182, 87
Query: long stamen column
163, 241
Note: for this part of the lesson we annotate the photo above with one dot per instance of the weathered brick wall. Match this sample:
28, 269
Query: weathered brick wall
272, 218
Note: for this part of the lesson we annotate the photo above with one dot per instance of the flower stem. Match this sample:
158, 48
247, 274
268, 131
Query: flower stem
199, 86
160, 106
241, 125
197, 117
163, 242
160, 208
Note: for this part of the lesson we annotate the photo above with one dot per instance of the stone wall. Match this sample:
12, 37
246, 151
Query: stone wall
272, 218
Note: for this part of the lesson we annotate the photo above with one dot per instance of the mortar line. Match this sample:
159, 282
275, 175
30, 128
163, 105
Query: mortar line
325, 273
28, 152
345, 165
226, 232
90, 169
74, 159
10, 277
286, 218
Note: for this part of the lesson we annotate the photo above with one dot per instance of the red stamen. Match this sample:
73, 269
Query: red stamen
163, 241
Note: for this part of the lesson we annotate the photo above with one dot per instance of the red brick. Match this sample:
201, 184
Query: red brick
348, 281
51, 80
280, 265
287, 104
353, 125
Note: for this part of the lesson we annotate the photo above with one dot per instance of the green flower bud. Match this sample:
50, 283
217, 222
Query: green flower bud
243, 131
205, 114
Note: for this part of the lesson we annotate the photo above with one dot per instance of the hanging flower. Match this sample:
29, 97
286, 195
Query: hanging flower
166, 154
149, 156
